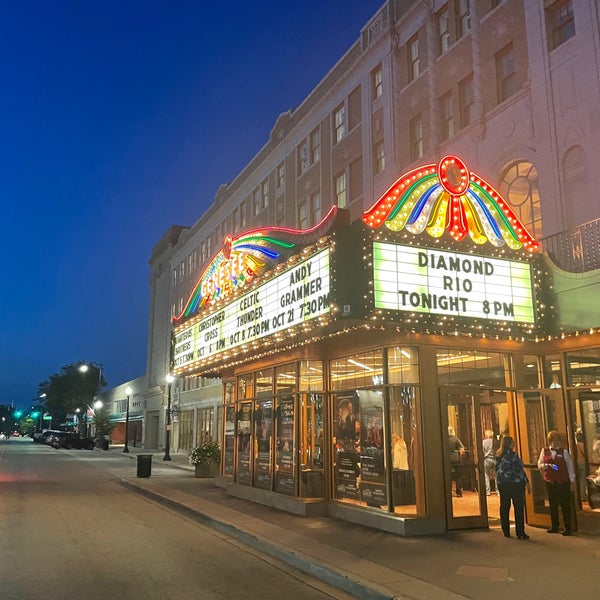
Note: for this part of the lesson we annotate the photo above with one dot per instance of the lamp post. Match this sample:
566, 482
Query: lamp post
128, 391
170, 379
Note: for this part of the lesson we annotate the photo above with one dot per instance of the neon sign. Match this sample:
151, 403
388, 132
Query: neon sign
449, 198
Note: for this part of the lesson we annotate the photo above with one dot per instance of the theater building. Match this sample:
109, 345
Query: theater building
348, 350
414, 248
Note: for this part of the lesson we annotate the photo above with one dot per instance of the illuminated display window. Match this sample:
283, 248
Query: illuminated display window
472, 367
358, 370
403, 365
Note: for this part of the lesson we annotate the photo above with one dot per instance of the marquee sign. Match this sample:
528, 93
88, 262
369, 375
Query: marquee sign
297, 295
424, 280
246, 255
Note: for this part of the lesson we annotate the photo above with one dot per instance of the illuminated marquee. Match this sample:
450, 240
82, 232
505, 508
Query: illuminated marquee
298, 295
424, 280
246, 255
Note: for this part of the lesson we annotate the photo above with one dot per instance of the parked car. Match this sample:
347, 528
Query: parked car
43, 437
70, 439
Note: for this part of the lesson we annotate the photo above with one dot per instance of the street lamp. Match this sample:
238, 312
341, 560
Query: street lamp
84, 368
128, 391
170, 379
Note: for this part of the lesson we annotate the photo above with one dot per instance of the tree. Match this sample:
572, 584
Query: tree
70, 389
27, 425
102, 422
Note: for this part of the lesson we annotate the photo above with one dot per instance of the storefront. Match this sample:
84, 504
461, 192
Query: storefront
349, 351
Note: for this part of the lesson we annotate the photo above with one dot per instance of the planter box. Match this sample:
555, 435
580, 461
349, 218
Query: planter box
206, 470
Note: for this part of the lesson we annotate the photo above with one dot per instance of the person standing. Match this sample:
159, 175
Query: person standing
456, 451
512, 482
489, 460
557, 470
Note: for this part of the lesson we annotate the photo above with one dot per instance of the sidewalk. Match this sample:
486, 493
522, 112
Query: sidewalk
372, 564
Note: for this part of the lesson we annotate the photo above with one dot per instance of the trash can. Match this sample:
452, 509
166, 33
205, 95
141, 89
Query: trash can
144, 465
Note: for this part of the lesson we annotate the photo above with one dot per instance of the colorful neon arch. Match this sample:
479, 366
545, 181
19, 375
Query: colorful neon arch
449, 197
244, 256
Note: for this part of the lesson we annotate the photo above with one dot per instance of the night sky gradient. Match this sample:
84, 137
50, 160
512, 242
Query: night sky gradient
118, 120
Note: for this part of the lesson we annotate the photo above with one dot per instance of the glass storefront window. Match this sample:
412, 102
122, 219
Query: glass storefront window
346, 442
403, 365
358, 370
583, 367
311, 376
264, 436
531, 372
244, 439
471, 367
285, 379
585, 413
245, 386
311, 445
285, 467
229, 393
204, 429
229, 445
552, 372
406, 451
264, 383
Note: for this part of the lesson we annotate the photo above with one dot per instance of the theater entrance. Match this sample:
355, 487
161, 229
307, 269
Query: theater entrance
469, 414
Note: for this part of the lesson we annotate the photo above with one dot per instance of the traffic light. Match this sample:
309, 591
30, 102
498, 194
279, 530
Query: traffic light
35, 414
18, 414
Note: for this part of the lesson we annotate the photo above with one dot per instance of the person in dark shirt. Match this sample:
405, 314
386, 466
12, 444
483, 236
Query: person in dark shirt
456, 451
512, 482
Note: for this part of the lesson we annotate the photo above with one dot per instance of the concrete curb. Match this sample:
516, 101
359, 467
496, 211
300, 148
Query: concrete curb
302, 562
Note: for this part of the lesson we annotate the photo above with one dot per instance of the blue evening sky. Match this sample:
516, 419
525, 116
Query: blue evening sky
119, 119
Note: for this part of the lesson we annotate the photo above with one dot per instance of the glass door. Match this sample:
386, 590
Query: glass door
463, 461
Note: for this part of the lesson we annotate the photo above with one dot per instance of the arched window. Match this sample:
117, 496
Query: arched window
519, 186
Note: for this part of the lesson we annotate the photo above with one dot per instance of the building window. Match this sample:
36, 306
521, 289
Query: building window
205, 432
255, 201
354, 109
463, 17
315, 205
315, 146
519, 186
376, 83
416, 138
466, 98
303, 157
341, 195
243, 216
303, 215
414, 62
339, 123
443, 30
378, 157
355, 180
264, 194
446, 116
506, 78
280, 175
560, 22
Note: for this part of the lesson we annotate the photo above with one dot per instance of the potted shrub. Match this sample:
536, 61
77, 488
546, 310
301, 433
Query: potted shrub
206, 458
